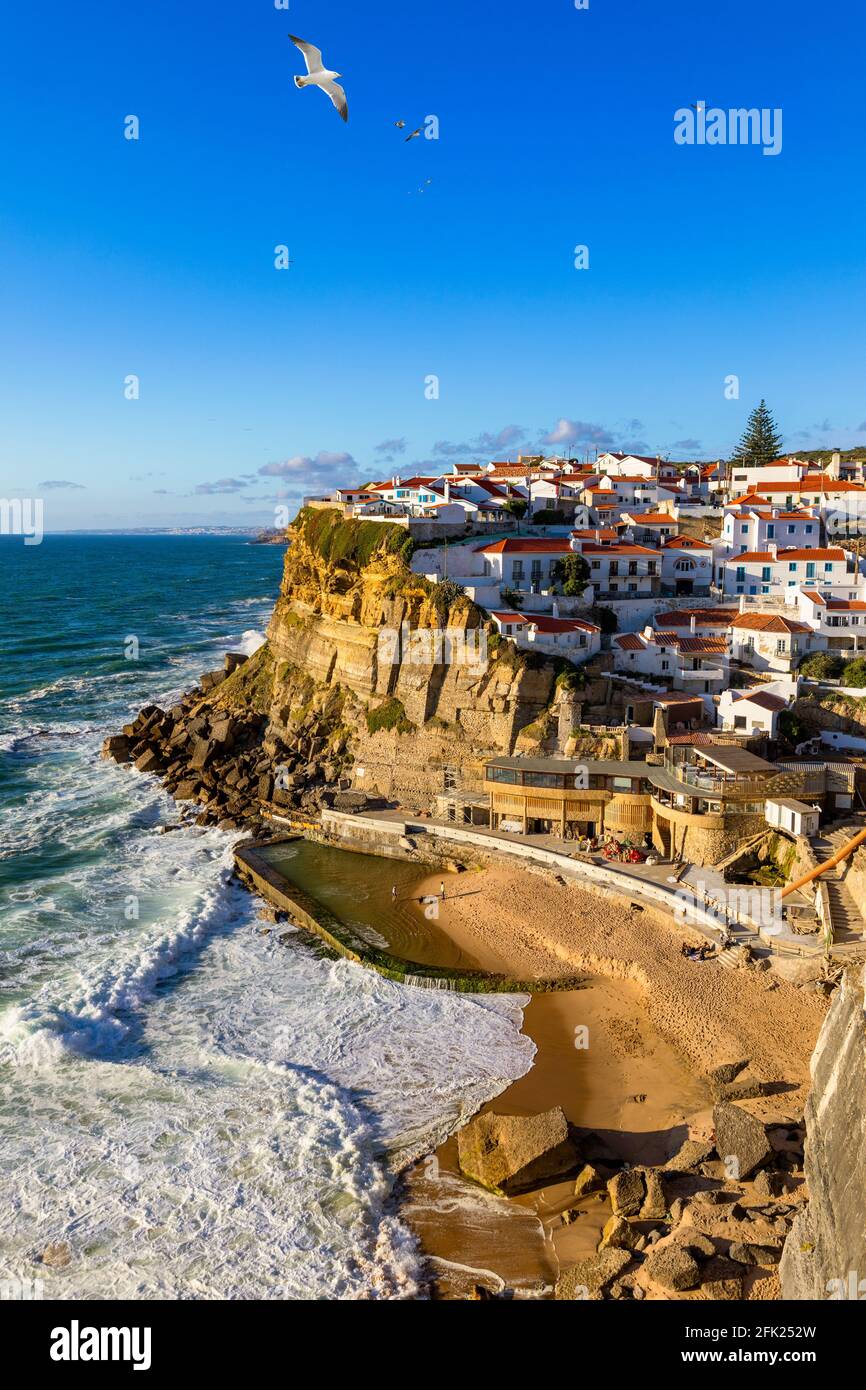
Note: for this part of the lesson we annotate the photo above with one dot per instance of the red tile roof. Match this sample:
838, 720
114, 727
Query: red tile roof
768, 622
764, 699
536, 545
620, 549
546, 624
767, 558
837, 605
704, 617
630, 642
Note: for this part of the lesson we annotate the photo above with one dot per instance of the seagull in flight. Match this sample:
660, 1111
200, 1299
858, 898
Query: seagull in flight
401, 125
413, 135
320, 76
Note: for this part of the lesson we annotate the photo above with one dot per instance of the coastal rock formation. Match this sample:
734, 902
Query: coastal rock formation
355, 693
515, 1153
589, 1277
739, 1136
825, 1253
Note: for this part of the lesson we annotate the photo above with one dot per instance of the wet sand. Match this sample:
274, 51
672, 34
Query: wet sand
626, 1055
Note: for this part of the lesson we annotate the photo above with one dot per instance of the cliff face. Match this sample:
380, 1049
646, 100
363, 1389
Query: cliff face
825, 1253
367, 633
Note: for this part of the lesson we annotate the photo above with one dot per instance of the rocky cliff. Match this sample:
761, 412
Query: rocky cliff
356, 688
825, 1253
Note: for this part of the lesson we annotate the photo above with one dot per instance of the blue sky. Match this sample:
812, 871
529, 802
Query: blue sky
156, 257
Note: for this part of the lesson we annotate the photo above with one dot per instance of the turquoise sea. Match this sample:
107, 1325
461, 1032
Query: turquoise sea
194, 1110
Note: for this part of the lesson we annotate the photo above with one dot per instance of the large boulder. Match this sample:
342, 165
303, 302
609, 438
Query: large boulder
202, 753
589, 1179
741, 1137
627, 1191
673, 1268
727, 1071
618, 1233
747, 1254
149, 761
691, 1154
514, 1153
589, 1277
655, 1202
117, 747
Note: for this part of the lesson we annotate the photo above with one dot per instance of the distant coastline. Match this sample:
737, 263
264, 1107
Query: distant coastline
259, 535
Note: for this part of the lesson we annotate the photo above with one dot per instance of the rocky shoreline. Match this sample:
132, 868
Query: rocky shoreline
683, 1229
224, 757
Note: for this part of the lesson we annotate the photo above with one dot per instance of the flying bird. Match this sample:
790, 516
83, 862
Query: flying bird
320, 76
412, 136
401, 125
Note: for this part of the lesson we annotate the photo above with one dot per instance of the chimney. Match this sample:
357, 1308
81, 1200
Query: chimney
447, 490
693, 625
395, 481
742, 603
555, 612
773, 549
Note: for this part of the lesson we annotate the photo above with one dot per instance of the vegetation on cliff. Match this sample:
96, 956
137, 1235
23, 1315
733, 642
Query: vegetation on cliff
352, 544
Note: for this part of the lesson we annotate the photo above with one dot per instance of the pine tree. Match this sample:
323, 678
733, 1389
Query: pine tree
761, 441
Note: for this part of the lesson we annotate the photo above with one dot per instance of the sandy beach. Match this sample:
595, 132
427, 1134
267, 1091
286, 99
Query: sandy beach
627, 1054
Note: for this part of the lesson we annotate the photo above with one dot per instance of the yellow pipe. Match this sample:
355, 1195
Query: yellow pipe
830, 864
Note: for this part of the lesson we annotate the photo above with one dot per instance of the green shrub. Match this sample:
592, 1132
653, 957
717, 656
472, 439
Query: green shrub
549, 516
572, 572
605, 618
792, 728
391, 714
340, 540
854, 672
444, 595
821, 666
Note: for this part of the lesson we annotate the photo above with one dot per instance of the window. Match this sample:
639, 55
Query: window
765, 573
808, 530
517, 569
621, 784
793, 566
771, 532
741, 573
541, 779
503, 774
810, 570
828, 565
740, 721
790, 530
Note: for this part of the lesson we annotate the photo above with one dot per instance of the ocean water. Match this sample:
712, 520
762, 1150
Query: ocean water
195, 1110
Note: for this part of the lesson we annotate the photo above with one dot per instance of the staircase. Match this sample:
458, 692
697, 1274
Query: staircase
845, 914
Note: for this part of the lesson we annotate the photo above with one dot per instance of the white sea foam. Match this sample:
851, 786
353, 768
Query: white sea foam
198, 1111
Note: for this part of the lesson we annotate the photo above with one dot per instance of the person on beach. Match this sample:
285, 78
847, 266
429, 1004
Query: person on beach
393, 892
442, 889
